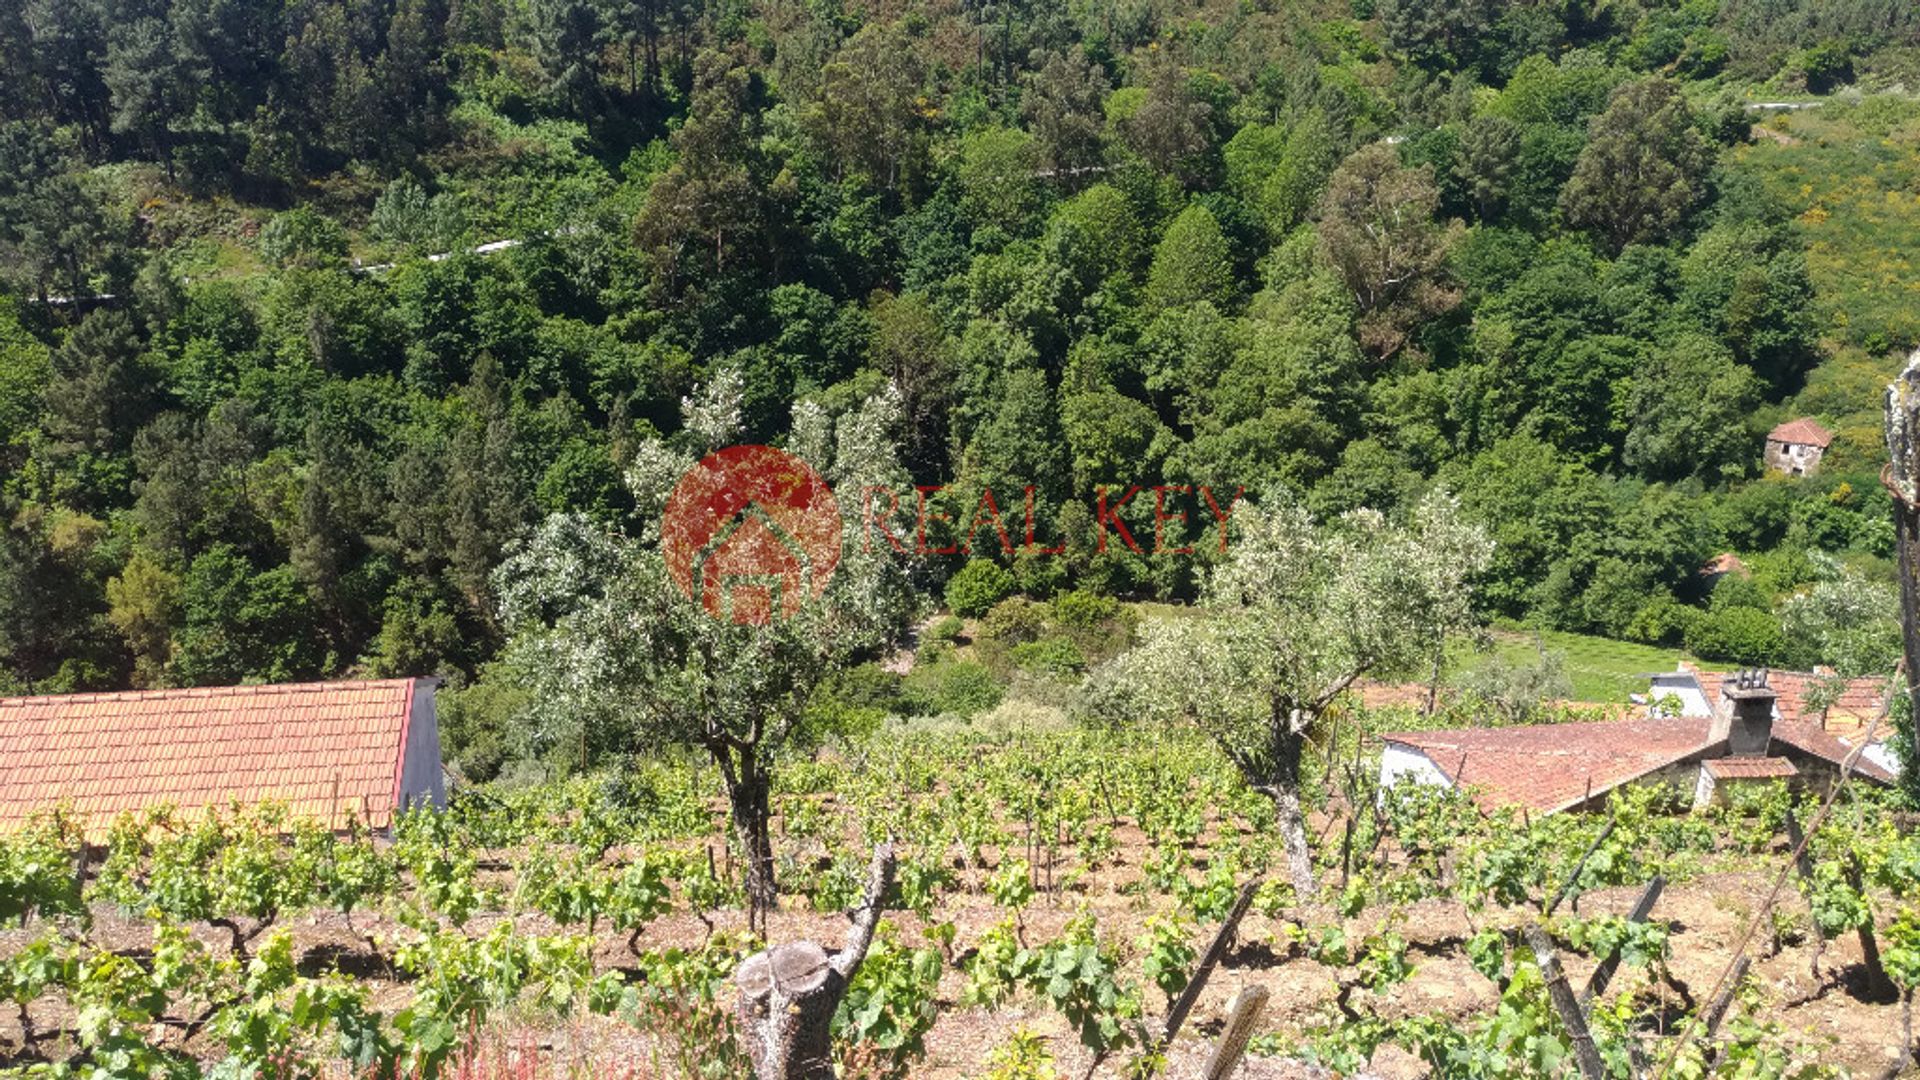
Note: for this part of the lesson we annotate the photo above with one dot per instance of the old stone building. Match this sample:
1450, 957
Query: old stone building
1796, 446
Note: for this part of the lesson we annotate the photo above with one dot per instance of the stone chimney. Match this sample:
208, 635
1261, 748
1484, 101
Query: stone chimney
1744, 714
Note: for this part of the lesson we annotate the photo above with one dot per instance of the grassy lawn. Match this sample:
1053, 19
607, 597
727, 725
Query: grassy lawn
1601, 669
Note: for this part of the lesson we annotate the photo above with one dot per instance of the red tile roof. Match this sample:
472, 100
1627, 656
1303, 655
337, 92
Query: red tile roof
1550, 767
1809, 739
1803, 431
299, 745
1829, 732
1750, 768
1725, 563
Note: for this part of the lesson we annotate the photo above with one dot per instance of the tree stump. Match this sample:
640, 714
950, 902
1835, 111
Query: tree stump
788, 993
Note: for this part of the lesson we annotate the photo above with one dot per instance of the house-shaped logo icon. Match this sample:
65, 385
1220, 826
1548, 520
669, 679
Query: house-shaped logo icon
750, 533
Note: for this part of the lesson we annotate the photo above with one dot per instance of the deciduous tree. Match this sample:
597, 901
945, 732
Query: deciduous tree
1643, 168
1062, 104
1377, 228
1297, 612
1192, 262
616, 659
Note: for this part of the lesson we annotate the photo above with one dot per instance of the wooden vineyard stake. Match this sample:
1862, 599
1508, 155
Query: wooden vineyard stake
788, 993
1878, 984
1247, 1007
1184, 1004
1803, 866
1566, 1004
1717, 1010
1610, 963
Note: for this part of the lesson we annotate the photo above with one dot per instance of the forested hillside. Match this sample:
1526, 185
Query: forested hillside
1543, 254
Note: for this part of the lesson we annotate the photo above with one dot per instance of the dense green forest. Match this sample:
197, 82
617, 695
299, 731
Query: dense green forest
1542, 253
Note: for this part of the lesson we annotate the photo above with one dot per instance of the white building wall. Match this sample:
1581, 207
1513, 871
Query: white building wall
1680, 684
1703, 790
1882, 755
1402, 762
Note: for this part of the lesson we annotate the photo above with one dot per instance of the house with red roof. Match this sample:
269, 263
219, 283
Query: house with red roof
329, 751
1796, 446
1819, 700
1548, 768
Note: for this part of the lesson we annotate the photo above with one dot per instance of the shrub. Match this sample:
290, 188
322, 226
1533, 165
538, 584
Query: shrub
946, 628
1084, 610
852, 703
1014, 620
1054, 656
302, 238
1741, 635
1099, 626
978, 586
1515, 687
1660, 621
960, 687
478, 727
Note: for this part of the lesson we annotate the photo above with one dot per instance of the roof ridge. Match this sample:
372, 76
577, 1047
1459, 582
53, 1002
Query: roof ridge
1802, 429
179, 692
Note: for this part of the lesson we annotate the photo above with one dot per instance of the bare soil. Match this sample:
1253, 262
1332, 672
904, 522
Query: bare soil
1829, 1007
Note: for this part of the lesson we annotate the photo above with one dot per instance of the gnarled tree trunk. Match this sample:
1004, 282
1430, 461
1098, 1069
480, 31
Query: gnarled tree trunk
788, 993
749, 803
1284, 789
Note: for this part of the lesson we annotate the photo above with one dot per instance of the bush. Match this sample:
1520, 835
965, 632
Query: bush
1516, 687
1662, 620
1084, 610
302, 238
1053, 656
1013, 621
978, 586
1738, 590
960, 687
1099, 626
853, 702
1741, 635
946, 628
478, 727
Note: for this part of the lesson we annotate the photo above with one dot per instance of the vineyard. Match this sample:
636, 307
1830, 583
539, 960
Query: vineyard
1046, 912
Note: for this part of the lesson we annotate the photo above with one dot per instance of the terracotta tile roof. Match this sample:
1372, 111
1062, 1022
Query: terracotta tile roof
1725, 563
1750, 768
1803, 431
1828, 733
194, 749
1807, 738
1550, 767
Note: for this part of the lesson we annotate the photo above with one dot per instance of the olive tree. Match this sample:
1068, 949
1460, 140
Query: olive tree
614, 657
1297, 611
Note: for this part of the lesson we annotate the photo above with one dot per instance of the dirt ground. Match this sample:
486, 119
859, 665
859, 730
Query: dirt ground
1706, 917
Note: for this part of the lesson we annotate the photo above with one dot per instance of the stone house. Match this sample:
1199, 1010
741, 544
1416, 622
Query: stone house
1796, 446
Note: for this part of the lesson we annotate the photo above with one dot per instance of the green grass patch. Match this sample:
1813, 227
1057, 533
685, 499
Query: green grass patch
1601, 669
